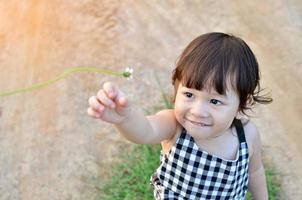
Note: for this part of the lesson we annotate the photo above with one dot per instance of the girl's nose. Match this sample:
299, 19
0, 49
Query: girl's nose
200, 109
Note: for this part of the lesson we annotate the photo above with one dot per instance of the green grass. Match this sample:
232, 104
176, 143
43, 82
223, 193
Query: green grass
273, 183
129, 180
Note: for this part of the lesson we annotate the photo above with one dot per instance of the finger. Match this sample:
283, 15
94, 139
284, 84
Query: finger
115, 94
122, 101
93, 113
105, 100
110, 89
95, 104
123, 107
121, 98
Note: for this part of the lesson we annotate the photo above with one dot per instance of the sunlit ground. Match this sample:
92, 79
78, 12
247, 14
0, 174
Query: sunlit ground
47, 141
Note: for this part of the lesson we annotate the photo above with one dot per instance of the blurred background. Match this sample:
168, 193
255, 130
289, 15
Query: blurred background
50, 148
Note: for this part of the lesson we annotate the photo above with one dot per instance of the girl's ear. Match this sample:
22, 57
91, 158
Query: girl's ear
239, 114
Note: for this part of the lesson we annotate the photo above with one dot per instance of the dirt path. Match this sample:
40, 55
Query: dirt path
50, 148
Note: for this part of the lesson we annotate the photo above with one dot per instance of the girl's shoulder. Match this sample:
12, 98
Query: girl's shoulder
166, 112
173, 127
164, 124
252, 135
167, 118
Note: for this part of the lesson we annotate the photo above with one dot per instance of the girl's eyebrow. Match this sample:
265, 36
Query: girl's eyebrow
212, 92
217, 94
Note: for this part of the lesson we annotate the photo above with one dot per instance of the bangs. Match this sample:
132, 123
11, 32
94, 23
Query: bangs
220, 77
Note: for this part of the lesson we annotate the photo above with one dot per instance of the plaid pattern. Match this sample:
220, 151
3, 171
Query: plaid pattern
190, 173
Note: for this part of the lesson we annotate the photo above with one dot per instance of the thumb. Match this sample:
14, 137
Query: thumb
122, 101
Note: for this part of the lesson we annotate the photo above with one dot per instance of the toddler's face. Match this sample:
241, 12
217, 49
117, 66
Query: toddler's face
205, 114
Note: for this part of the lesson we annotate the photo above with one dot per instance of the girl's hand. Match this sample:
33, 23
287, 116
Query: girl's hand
110, 104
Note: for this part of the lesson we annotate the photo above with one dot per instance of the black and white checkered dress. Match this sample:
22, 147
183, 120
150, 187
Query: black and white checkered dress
187, 172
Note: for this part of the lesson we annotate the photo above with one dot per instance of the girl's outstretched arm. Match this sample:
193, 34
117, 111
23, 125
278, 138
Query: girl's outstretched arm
111, 105
152, 129
257, 182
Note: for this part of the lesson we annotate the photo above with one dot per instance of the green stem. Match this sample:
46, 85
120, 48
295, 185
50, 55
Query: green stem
59, 77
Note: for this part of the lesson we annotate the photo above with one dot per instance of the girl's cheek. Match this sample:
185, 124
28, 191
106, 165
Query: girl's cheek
227, 114
178, 102
178, 115
178, 108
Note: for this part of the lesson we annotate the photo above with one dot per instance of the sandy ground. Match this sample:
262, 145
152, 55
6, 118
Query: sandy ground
50, 148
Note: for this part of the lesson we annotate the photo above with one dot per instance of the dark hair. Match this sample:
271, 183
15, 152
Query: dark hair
213, 59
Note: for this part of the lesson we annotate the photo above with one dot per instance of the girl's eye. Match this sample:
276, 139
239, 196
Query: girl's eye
188, 94
215, 102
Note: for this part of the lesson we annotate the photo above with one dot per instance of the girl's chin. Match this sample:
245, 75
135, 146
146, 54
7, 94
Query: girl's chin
199, 132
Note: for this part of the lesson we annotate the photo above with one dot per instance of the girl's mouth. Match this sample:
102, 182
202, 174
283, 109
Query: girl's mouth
199, 123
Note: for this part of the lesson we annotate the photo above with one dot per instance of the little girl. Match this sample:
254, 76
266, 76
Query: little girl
208, 151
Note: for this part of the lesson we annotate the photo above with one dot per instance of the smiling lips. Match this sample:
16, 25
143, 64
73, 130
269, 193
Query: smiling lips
198, 123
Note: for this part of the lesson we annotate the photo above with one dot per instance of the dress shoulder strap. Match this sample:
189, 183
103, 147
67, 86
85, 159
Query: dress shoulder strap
240, 130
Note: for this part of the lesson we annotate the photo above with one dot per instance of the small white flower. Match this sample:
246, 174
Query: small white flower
128, 73
128, 69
